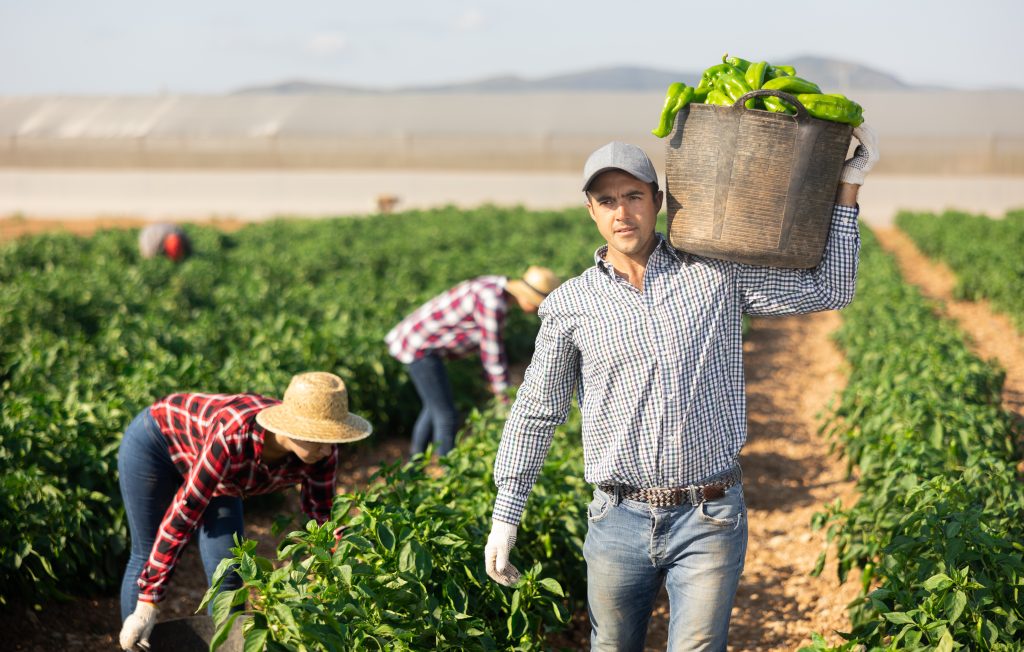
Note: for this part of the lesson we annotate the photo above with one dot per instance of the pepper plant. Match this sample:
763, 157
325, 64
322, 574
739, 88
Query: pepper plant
408, 573
985, 254
938, 529
90, 334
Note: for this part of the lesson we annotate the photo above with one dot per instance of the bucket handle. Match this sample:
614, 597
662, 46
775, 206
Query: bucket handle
801, 111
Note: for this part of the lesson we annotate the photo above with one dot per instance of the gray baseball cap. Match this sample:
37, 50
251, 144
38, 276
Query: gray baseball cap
619, 156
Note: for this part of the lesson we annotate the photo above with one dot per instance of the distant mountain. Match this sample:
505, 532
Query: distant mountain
831, 74
834, 75
301, 87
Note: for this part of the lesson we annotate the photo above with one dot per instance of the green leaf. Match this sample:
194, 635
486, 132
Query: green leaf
955, 604
247, 569
937, 434
385, 536
552, 585
286, 617
517, 625
952, 529
945, 643
255, 639
413, 559
899, 617
938, 582
225, 600
222, 632
345, 572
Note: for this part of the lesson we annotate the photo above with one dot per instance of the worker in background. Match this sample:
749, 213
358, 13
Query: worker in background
468, 317
166, 239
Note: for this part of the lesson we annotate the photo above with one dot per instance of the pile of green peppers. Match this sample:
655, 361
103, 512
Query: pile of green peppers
724, 83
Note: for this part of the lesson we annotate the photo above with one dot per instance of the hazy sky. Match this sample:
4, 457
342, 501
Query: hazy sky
214, 46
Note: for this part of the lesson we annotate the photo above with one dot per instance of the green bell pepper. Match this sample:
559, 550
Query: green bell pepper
734, 86
754, 75
780, 71
677, 96
792, 85
775, 105
718, 98
736, 62
830, 107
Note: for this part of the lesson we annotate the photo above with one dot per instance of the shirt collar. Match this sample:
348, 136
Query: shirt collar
663, 252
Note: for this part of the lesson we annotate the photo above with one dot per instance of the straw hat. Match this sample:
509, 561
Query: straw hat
537, 283
315, 408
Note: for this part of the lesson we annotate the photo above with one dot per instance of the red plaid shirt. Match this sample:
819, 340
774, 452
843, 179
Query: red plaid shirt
216, 444
468, 317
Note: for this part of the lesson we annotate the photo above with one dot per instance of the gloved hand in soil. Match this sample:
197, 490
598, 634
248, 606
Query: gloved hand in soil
499, 545
864, 157
137, 627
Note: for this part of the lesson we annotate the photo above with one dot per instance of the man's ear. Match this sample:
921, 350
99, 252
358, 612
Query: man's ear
590, 208
659, 197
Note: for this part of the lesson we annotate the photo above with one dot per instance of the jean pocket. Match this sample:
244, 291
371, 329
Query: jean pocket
599, 507
726, 511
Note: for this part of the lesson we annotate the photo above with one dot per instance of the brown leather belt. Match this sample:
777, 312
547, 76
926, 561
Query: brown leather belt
673, 496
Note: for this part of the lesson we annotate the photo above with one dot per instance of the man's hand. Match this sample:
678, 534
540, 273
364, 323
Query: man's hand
499, 545
864, 157
137, 626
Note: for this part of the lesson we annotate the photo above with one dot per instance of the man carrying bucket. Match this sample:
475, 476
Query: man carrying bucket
650, 339
467, 317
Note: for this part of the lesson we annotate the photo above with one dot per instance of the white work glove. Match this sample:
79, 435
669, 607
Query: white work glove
864, 157
137, 627
499, 545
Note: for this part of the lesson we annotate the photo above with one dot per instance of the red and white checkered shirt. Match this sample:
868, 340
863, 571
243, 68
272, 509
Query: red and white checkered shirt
216, 444
468, 317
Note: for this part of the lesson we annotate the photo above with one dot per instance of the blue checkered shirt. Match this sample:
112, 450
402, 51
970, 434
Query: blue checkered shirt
659, 372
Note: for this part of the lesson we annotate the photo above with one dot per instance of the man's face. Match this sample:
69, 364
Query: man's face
307, 451
625, 211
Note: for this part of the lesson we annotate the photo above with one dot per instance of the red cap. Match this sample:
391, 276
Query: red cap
174, 247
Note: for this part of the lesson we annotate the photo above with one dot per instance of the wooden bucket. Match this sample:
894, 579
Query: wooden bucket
753, 186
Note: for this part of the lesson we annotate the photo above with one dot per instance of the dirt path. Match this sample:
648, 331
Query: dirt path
14, 227
991, 335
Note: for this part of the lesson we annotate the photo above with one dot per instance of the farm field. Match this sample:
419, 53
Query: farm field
793, 368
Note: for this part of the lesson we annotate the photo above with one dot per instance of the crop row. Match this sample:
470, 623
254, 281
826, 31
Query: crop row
938, 529
409, 574
90, 334
986, 254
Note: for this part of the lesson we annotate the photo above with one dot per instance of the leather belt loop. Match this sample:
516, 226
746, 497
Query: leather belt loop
617, 495
694, 494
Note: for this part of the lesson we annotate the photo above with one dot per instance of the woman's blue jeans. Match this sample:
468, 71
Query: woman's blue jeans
148, 482
632, 549
438, 420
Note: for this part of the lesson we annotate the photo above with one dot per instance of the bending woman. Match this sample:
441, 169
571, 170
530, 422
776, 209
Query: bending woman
187, 461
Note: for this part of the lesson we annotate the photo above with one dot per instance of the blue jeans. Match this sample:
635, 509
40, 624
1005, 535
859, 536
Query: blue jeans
148, 481
696, 552
438, 416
